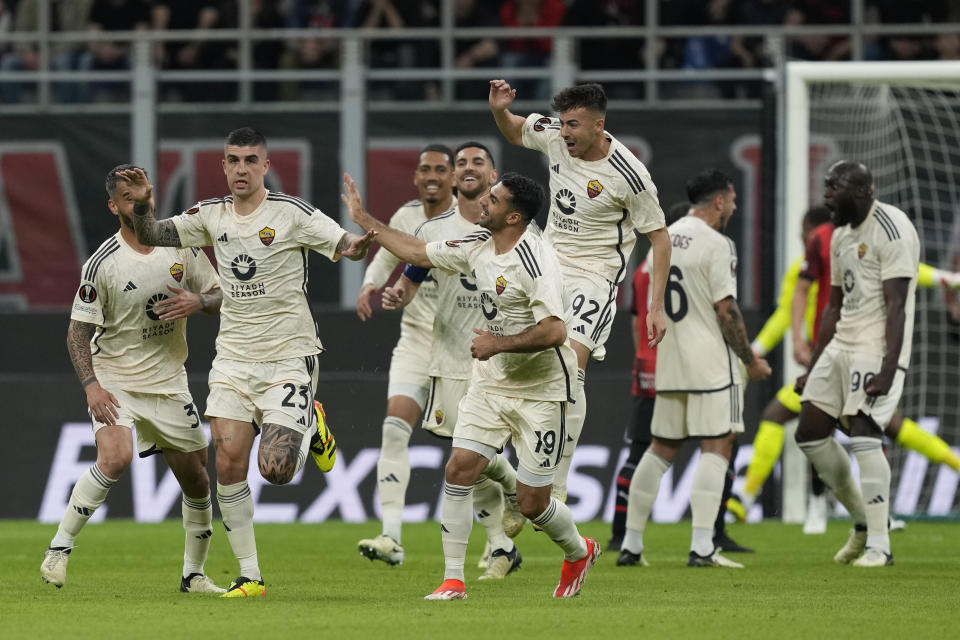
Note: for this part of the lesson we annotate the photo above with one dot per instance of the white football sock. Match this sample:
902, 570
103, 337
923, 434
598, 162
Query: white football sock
456, 520
644, 486
197, 523
88, 494
488, 505
833, 466
576, 414
557, 522
236, 508
393, 473
705, 494
875, 484
502, 472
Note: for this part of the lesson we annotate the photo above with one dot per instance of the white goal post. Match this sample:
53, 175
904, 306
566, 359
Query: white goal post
903, 117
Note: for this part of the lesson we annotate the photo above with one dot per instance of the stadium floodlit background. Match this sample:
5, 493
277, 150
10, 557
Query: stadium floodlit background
344, 85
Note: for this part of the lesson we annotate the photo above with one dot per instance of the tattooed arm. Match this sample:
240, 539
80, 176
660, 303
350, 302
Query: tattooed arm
149, 230
735, 334
102, 403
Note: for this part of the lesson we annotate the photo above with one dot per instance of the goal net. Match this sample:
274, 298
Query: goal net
903, 121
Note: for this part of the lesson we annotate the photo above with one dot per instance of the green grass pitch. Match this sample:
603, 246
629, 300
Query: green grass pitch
123, 580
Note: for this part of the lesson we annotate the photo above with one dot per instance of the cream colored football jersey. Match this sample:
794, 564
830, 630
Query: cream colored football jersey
133, 349
693, 355
262, 261
883, 247
595, 206
457, 306
518, 289
417, 320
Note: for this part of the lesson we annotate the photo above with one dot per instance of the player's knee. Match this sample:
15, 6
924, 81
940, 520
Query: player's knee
533, 504
114, 463
274, 474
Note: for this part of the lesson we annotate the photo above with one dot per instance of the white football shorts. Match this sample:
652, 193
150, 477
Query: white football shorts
593, 302
408, 371
279, 392
443, 402
698, 415
836, 386
162, 421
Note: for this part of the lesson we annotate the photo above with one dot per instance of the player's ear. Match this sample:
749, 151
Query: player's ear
113, 207
493, 177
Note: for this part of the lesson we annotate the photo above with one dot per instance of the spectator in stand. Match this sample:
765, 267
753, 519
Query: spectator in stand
610, 53
314, 53
530, 52
818, 47
709, 51
194, 54
905, 47
265, 14
472, 52
400, 54
753, 52
103, 55
946, 46
65, 15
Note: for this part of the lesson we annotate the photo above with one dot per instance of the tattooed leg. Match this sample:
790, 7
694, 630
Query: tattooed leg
279, 447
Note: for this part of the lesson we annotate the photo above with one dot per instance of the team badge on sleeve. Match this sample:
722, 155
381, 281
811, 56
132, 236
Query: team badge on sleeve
267, 235
594, 188
541, 124
87, 293
453, 244
501, 284
192, 210
862, 250
177, 271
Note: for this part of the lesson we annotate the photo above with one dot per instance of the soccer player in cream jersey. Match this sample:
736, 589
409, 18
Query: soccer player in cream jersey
600, 195
458, 312
127, 341
522, 376
265, 370
862, 353
698, 380
409, 382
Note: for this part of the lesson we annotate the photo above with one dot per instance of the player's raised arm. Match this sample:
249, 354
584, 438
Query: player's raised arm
510, 125
149, 230
404, 246
735, 333
660, 244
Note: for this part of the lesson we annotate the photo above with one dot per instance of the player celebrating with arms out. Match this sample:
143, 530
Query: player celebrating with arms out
522, 374
601, 195
861, 356
265, 371
128, 341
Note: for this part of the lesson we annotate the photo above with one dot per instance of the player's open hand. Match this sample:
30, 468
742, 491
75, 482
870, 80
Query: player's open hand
656, 327
351, 198
181, 305
484, 345
103, 404
879, 385
758, 369
358, 245
137, 183
501, 95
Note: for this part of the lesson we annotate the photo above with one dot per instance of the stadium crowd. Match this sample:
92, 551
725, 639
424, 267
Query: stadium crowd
715, 51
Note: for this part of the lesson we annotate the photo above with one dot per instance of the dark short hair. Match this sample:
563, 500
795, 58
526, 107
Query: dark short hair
816, 216
526, 195
470, 144
113, 179
589, 95
438, 148
246, 137
676, 211
706, 184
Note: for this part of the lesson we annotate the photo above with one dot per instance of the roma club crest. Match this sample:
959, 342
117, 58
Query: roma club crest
177, 271
862, 250
594, 188
438, 416
501, 284
267, 235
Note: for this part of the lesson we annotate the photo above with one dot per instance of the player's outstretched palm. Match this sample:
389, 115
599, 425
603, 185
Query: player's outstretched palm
359, 245
501, 95
138, 184
351, 198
